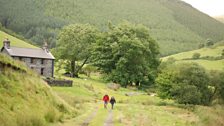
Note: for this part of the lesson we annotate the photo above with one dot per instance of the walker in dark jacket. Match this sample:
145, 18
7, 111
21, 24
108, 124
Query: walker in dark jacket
112, 101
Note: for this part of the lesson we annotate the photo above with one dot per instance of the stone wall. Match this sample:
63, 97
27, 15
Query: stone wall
61, 83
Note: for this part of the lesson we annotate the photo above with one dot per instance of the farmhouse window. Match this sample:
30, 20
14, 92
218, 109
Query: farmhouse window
31, 60
42, 61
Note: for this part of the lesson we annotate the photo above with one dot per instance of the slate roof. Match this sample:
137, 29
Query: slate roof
29, 52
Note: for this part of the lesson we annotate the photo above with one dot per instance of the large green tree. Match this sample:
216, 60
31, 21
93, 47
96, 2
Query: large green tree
74, 45
127, 54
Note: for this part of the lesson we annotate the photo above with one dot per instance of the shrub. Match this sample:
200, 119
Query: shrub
196, 56
187, 94
186, 83
209, 43
217, 82
222, 52
201, 45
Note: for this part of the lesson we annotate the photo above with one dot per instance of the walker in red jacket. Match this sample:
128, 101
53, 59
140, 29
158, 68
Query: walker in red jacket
106, 100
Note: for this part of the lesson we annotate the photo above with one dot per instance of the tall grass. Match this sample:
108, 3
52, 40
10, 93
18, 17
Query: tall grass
26, 100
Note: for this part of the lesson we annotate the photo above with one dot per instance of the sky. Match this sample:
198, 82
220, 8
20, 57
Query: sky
210, 7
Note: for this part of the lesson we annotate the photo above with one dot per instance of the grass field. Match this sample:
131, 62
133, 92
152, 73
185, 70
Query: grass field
14, 41
214, 51
139, 109
209, 65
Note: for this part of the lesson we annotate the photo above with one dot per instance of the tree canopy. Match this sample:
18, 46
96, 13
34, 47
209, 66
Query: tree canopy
217, 82
186, 83
74, 44
127, 54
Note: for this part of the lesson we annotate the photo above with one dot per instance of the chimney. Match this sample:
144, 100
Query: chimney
45, 47
6, 43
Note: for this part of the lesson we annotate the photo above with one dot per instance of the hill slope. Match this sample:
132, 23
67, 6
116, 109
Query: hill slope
25, 99
14, 41
220, 18
174, 24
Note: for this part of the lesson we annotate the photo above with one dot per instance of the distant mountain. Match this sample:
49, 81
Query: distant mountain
176, 25
220, 18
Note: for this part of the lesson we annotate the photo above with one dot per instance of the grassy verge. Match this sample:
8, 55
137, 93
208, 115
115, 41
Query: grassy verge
139, 109
26, 100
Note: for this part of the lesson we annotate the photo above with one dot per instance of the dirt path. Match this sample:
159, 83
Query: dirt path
109, 120
90, 117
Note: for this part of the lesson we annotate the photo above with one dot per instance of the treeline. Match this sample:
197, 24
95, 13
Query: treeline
176, 26
27, 18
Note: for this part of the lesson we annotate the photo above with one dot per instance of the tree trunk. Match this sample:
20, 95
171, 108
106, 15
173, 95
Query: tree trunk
73, 69
80, 67
137, 83
213, 95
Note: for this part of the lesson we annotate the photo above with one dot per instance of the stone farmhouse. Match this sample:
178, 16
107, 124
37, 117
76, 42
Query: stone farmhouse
40, 60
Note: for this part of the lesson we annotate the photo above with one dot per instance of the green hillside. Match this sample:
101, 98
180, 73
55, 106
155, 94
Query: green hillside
14, 41
25, 99
208, 64
214, 61
211, 51
174, 24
